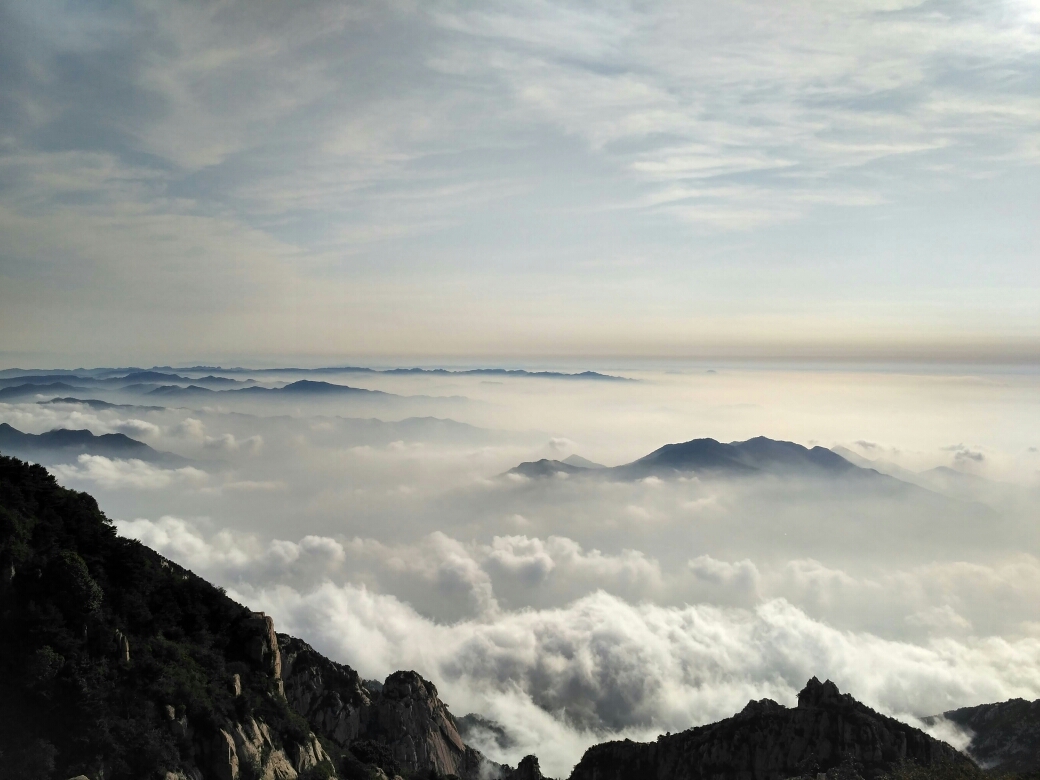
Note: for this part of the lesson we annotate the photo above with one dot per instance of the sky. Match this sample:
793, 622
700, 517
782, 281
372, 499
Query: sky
435, 181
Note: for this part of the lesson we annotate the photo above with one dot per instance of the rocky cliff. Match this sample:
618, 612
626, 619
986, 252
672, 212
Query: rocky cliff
1005, 737
405, 714
767, 741
116, 663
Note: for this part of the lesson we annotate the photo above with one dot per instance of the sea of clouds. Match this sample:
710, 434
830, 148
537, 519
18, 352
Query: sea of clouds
572, 610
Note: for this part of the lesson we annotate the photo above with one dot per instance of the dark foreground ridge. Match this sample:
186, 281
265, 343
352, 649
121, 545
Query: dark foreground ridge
59, 445
117, 664
828, 732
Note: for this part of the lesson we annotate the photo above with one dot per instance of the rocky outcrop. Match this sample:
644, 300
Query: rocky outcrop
261, 646
1005, 736
528, 769
404, 713
768, 741
329, 695
409, 717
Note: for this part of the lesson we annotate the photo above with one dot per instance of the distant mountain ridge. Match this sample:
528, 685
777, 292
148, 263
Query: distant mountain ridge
169, 373
61, 444
31, 389
754, 456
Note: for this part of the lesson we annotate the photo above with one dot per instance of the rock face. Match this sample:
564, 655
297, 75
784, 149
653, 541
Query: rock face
118, 663
1005, 736
528, 769
329, 695
768, 741
261, 645
405, 713
410, 718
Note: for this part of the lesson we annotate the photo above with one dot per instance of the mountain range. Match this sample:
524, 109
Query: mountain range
64, 445
708, 456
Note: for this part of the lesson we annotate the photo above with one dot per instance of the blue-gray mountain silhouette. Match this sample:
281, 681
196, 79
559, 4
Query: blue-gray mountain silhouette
64, 445
758, 455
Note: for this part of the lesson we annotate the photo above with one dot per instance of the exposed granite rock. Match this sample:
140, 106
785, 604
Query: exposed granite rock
329, 695
1004, 736
223, 757
309, 755
410, 718
122, 646
405, 713
261, 645
247, 749
767, 741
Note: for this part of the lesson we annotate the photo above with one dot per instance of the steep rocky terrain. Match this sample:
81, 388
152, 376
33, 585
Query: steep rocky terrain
767, 741
116, 663
404, 714
1005, 737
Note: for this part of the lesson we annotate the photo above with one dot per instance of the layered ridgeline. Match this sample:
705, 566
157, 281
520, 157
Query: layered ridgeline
62, 445
118, 664
760, 455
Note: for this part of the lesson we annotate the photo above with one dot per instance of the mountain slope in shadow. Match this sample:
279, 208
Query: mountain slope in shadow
118, 664
828, 731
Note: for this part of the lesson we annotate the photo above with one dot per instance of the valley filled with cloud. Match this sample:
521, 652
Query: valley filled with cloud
575, 604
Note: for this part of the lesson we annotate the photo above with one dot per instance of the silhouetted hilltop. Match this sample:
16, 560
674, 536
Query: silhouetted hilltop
758, 455
31, 389
767, 741
63, 445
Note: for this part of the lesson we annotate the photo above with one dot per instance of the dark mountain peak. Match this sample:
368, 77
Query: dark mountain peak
547, 468
760, 707
760, 455
172, 390
693, 455
309, 387
33, 389
768, 741
408, 685
314, 386
62, 443
817, 694
151, 376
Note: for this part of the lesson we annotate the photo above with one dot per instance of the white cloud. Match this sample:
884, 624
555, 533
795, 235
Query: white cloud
627, 669
112, 474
